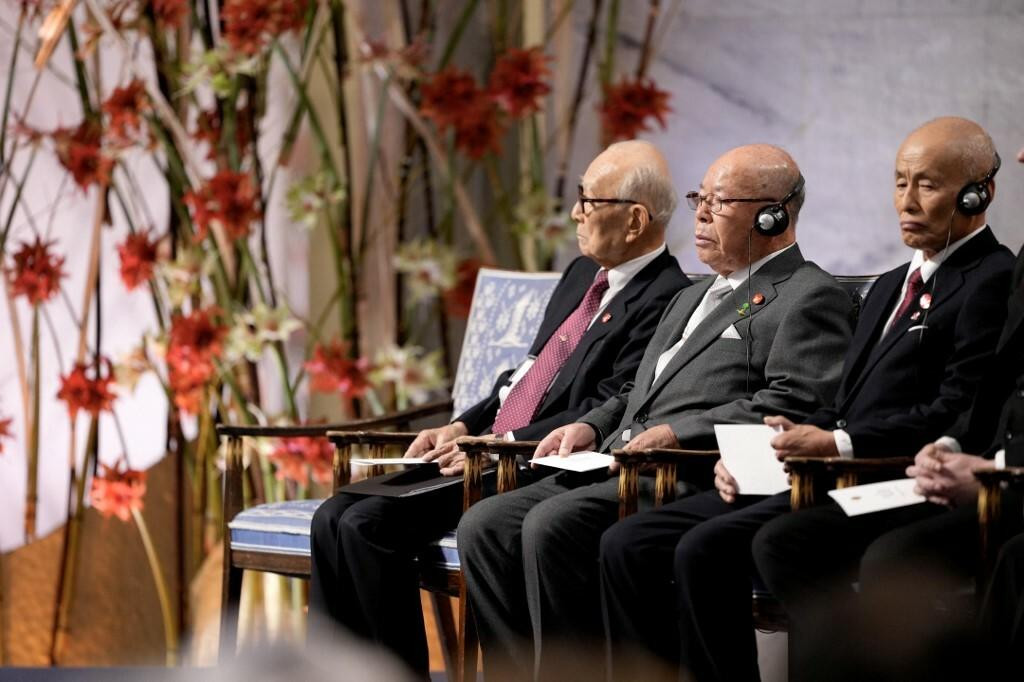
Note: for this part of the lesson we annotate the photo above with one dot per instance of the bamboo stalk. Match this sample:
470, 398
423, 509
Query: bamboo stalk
170, 630
647, 45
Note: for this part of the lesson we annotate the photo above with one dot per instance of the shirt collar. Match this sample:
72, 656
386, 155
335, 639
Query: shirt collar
929, 266
622, 273
737, 278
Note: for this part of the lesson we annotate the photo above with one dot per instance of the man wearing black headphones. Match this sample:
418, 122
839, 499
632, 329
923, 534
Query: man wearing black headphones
766, 335
924, 350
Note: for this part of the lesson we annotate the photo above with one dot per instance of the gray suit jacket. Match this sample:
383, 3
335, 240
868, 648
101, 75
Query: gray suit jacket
796, 336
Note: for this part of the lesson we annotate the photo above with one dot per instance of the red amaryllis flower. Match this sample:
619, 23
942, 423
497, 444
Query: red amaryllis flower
80, 152
294, 458
447, 95
195, 341
517, 81
478, 131
124, 107
332, 370
5, 431
230, 199
628, 105
249, 25
82, 393
170, 13
138, 256
116, 492
36, 273
459, 298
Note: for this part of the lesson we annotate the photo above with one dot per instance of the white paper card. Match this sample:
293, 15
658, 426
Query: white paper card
748, 455
588, 460
873, 497
381, 461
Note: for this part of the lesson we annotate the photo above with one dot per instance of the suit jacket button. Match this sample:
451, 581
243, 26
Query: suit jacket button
840, 423
1009, 436
1020, 393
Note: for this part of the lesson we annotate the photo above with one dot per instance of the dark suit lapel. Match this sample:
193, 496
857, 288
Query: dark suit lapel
945, 282
728, 312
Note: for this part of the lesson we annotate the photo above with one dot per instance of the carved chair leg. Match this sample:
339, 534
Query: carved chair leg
444, 616
231, 594
469, 642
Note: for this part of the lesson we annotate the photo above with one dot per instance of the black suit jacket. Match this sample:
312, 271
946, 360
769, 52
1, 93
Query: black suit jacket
606, 357
996, 419
906, 388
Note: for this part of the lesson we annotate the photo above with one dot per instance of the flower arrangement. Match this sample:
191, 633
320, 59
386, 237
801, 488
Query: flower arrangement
223, 96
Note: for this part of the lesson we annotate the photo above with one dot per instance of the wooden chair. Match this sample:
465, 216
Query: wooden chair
506, 312
991, 527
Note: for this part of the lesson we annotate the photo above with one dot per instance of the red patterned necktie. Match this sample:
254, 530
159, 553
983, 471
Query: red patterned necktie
525, 397
914, 286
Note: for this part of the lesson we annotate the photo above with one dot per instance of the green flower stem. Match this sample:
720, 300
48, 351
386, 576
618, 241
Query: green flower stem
371, 170
10, 86
81, 79
289, 394
31, 489
611, 29
170, 630
20, 186
460, 27
72, 540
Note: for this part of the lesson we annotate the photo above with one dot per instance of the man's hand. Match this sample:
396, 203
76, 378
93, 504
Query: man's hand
567, 439
660, 436
452, 462
725, 484
431, 439
946, 477
801, 440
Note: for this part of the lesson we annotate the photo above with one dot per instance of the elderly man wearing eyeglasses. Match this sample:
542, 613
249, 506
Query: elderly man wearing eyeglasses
765, 336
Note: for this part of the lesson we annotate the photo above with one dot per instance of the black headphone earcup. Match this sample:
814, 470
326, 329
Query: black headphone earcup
973, 199
771, 221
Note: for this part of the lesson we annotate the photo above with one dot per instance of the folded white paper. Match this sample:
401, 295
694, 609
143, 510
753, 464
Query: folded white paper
380, 461
748, 455
873, 497
587, 460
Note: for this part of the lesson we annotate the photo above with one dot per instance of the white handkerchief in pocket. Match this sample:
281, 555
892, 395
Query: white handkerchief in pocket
730, 333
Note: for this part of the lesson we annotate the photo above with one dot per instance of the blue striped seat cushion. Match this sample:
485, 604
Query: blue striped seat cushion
283, 528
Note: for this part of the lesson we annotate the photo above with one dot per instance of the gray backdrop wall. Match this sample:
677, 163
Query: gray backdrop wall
838, 83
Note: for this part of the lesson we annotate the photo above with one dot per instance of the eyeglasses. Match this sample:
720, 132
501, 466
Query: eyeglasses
593, 201
715, 202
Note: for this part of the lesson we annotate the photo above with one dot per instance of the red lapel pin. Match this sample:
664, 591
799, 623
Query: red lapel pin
758, 299
606, 317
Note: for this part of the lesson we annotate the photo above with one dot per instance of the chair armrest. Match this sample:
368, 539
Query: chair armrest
666, 462
990, 504
811, 476
478, 451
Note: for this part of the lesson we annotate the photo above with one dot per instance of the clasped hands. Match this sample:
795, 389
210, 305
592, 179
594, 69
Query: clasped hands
946, 477
438, 445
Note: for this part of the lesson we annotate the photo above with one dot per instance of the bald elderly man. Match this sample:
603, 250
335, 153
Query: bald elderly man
594, 332
530, 557
924, 338
926, 342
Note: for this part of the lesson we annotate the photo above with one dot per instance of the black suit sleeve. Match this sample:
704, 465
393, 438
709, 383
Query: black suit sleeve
975, 335
621, 372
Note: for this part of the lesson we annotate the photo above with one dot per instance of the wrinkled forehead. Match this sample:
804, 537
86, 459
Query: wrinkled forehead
938, 157
602, 173
732, 178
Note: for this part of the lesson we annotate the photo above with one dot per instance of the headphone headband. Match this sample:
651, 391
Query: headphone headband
974, 198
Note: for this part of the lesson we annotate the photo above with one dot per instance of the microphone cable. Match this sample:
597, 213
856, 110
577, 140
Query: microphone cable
935, 279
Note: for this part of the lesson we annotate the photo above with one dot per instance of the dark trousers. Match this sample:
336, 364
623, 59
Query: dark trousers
906, 562
365, 575
1002, 613
676, 588
529, 558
